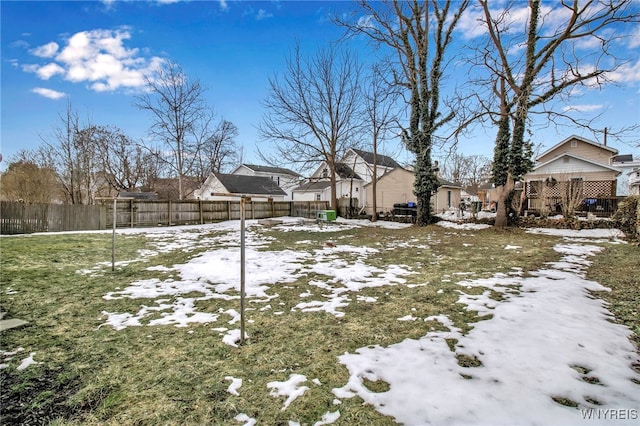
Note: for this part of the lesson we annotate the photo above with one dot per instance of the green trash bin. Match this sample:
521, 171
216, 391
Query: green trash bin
327, 215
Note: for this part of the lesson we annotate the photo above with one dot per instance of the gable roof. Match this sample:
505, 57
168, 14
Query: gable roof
241, 184
381, 160
346, 172
581, 139
269, 169
313, 185
566, 154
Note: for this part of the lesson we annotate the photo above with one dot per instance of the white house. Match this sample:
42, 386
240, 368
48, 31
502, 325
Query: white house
220, 186
634, 182
353, 172
286, 179
629, 179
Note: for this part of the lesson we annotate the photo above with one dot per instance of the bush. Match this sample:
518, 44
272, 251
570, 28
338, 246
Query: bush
627, 218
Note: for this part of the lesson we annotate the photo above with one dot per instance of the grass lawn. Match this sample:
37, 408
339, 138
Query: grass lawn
88, 372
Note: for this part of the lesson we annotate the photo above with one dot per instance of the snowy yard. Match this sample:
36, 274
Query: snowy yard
522, 344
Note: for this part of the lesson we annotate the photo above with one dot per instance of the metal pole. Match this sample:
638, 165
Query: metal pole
113, 238
242, 216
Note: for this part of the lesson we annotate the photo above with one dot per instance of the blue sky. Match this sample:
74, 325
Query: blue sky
95, 53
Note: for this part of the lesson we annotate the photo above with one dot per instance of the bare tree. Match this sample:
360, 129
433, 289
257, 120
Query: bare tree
218, 150
313, 110
381, 116
552, 63
470, 171
418, 34
72, 153
182, 121
122, 160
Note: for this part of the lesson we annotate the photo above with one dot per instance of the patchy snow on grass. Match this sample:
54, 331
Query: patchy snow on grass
234, 386
28, 361
248, 421
547, 343
582, 234
464, 226
290, 388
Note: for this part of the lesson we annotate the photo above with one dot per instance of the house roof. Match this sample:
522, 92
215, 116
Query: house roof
241, 184
381, 160
566, 154
167, 188
313, 186
269, 169
443, 182
346, 172
608, 148
138, 195
624, 158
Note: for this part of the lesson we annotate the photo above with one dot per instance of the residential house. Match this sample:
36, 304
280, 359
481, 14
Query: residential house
628, 180
396, 187
634, 182
448, 196
286, 179
575, 167
220, 186
353, 172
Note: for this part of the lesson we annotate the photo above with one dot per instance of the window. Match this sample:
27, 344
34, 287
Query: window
566, 159
448, 198
325, 173
574, 144
317, 197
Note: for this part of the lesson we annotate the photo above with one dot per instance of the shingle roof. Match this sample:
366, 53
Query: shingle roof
138, 195
314, 185
268, 169
240, 184
346, 172
443, 182
381, 160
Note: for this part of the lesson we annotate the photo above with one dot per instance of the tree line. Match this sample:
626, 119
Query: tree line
527, 61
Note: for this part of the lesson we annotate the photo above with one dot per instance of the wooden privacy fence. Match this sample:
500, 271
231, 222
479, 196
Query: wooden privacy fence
20, 218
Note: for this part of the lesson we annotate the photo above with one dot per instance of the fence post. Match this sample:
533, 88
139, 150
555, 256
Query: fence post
201, 215
169, 210
228, 210
131, 210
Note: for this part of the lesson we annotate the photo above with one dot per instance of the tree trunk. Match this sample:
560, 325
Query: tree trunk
502, 209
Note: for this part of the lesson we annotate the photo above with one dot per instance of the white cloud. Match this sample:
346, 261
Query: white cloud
223, 4
627, 73
365, 21
634, 40
263, 14
46, 51
98, 57
583, 108
49, 70
48, 93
